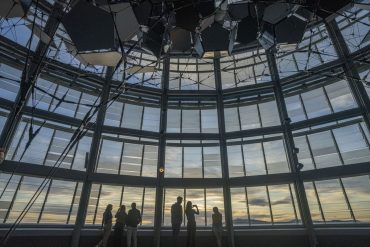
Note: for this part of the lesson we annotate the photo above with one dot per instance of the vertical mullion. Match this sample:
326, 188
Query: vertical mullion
44, 202
121, 197
289, 148
163, 204
78, 103
159, 195
247, 202
205, 206
142, 205
49, 147
224, 154
347, 200
182, 162
20, 141
13, 199
97, 203
293, 203
73, 201
319, 201
243, 161
203, 173
269, 202
121, 158
264, 157
142, 159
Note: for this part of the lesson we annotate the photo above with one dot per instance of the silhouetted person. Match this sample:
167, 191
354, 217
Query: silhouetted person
119, 227
107, 225
217, 225
192, 225
176, 219
133, 219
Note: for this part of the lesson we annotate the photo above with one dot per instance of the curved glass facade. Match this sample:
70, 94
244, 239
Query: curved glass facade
227, 132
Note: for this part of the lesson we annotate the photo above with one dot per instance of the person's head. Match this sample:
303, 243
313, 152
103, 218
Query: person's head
109, 207
189, 205
179, 199
123, 208
215, 209
133, 205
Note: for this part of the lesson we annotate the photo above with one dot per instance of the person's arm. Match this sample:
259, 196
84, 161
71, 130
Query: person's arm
103, 220
139, 216
196, 211
172, 214
180, 213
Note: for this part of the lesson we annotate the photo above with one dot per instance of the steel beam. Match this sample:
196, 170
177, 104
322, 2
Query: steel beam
290, 147
29, 76
223, 154
161, 154
92, 161
349, 68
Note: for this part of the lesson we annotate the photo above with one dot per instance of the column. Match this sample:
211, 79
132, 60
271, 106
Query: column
29, 76
161, 154
349, 68
92, 161
290, 149
223, 154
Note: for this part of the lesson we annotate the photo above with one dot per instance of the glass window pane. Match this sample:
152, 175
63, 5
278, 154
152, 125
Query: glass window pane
358, 192
196, 196
193, 162
109, 157
258, 205
239, 207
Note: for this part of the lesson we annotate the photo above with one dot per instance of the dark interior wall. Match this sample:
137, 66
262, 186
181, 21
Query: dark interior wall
277, 238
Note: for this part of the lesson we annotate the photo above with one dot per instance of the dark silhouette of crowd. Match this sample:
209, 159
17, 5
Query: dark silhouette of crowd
132, 219
129, 220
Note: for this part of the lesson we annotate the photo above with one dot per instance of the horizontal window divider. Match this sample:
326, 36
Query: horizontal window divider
115, 179
310, 83
130, 132
254, 132
261, 180
192, 136
248, 181
337, 172
7, 104
356, 112
191, 93
193, 182
51, 116
23, 168
327, 128
248, 89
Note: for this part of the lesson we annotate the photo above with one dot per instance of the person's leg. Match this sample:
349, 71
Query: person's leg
116, 235
175, 235
107, 230
218, 235
129, 235
194, 234
134, 235
188, 236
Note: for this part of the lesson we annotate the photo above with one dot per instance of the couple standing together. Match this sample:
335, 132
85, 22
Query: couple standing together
190, 212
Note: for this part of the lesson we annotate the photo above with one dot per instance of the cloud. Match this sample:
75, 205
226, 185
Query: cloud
258, 202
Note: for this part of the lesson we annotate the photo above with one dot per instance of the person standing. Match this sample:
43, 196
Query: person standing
217, 225
107, 225
176, 219
119, 227
191, 226
133, 220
